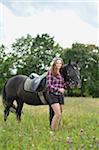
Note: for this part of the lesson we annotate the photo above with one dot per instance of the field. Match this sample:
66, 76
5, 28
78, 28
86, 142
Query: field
79, 127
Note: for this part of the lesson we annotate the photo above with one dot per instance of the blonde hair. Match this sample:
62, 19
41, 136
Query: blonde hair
53, 65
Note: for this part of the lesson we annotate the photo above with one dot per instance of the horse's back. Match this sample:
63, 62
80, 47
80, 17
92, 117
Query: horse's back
14, 83
14, 90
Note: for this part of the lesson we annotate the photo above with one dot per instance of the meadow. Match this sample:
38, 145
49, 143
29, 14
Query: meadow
78, 130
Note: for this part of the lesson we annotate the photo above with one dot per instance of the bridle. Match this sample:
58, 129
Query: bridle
70, 79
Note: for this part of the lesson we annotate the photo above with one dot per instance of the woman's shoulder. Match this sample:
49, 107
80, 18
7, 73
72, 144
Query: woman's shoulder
49, 74
49, 71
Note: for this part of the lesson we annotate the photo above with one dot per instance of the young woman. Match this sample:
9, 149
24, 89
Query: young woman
55, 88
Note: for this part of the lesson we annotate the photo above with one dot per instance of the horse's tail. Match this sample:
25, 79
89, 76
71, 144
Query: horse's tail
4, 95
13, 107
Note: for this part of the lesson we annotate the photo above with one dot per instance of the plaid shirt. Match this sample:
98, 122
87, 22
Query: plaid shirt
54, 83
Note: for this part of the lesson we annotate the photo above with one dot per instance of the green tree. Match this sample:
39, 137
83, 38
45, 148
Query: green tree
94, 69
88, 57
34, 54
2, 66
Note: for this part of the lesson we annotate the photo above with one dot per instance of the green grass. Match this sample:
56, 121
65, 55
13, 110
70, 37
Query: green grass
78, 130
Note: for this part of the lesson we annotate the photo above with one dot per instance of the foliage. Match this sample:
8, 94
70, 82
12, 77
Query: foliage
88, 58
34, 54
3, 65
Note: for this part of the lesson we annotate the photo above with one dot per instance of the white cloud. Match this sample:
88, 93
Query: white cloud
65, 26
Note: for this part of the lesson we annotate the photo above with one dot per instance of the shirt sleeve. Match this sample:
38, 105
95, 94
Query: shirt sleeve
49, 82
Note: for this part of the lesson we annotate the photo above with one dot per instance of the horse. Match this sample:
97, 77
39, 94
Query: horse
13, 90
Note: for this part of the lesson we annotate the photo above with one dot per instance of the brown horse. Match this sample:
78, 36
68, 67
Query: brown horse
13, 90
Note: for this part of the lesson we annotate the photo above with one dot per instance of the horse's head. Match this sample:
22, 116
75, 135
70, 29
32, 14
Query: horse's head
71, 74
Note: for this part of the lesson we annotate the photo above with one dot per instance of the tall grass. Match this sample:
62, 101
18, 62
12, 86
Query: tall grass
79, 127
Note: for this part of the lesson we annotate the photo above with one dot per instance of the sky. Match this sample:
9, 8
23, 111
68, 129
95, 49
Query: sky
67, 21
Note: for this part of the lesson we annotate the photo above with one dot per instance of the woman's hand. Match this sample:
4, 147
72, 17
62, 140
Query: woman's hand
61, 90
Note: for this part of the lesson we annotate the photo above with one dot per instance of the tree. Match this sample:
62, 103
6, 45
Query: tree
2, 68
34, 54
89, 63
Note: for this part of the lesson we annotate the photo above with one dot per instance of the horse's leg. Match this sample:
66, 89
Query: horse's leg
9, 103
18, 110
51, 114
13, 108
6, 112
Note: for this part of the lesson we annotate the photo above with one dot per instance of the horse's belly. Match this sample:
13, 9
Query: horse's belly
31, 99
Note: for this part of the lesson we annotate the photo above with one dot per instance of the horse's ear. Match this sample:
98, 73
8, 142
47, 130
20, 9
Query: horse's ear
69, 62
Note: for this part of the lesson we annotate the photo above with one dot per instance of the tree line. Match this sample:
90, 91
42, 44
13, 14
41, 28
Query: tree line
34, 54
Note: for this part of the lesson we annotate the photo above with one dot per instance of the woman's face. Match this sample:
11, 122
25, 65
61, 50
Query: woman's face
58, 64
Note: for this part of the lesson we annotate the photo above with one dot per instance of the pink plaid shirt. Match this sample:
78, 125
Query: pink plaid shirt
54, 83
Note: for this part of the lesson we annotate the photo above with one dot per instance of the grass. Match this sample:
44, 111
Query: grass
79, 127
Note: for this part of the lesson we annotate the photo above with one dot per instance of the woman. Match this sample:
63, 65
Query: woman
55, 88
